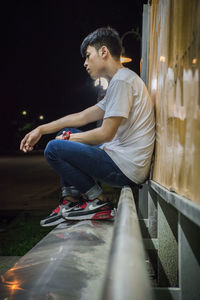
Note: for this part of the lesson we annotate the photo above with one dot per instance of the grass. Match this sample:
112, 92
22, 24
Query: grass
24, 231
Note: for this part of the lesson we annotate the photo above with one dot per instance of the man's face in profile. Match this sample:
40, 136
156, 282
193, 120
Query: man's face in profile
94, 62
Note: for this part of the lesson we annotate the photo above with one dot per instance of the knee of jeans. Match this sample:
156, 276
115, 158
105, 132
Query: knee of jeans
50, 149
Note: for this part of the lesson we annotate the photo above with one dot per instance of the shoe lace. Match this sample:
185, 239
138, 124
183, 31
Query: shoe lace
81, 203
61, 202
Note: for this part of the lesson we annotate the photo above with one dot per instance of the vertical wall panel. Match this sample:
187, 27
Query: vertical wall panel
173, 82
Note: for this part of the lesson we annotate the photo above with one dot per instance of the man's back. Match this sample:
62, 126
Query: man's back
132, 147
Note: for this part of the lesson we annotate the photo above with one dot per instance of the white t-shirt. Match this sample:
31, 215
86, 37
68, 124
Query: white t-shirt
132, 147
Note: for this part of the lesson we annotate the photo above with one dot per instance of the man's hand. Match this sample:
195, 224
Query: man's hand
59, 137
64, 136
30, 140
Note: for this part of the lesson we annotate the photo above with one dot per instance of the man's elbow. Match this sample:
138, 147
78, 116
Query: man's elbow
108, 137
82, 118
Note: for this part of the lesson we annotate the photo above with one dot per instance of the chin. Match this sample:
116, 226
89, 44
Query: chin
93, 77
96, 76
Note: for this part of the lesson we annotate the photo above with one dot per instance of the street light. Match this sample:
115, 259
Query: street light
123, 58
24, 112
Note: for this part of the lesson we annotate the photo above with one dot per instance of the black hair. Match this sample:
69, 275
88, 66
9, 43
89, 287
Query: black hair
104, 36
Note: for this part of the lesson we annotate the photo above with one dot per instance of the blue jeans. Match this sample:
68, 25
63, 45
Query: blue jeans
80, 165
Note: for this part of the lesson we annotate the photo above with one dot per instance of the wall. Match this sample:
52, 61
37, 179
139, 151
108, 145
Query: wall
173, 82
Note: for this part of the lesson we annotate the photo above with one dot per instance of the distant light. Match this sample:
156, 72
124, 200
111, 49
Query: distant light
41, 117
125, 60
162, 59
194, 61
24, 112
102, 82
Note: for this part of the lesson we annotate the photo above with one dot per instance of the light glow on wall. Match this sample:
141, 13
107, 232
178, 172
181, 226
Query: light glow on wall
162, 59
194, 61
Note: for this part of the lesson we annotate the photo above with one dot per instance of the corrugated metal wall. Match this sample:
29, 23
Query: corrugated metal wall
174, 85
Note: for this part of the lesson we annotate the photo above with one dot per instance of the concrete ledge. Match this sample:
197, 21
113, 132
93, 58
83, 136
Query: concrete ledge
167, 293
6, 262
188, 208
69, 263
76, 261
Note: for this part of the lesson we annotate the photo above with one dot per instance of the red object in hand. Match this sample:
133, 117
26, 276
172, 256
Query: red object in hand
66, 135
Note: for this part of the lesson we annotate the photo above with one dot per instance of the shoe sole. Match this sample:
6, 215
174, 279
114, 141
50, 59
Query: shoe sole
95, 216
60, 220
56, 222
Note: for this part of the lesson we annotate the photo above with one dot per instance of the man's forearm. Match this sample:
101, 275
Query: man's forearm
99, 135
73, 120
84, 117
89, 115
91, 137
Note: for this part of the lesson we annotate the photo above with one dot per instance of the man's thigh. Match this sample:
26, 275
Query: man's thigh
91, 160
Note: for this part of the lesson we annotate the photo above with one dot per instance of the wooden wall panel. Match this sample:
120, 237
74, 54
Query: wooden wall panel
174, 85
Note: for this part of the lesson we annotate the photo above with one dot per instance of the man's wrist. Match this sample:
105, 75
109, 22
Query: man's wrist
41, 129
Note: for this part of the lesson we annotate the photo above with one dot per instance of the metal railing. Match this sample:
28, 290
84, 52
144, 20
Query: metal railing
127, 276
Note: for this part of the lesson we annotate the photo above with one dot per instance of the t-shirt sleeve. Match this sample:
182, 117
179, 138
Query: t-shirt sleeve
102, 104
118, 100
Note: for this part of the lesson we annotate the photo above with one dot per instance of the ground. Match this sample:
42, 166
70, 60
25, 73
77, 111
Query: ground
29, 190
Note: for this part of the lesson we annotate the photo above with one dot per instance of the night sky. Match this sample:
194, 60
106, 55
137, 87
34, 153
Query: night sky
42, 70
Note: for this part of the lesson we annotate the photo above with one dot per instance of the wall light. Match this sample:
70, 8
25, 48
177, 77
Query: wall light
125, 60
136, 32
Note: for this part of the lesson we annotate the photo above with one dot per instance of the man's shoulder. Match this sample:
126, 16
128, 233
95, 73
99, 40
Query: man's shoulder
127, 75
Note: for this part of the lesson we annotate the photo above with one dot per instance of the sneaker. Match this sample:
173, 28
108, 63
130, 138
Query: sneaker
56, 216
94, 210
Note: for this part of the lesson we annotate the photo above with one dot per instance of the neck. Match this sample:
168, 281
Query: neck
112, 68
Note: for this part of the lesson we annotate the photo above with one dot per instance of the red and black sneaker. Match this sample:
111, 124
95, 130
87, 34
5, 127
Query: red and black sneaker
95, 210
55, 217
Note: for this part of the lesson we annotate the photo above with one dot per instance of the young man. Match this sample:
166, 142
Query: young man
117, 153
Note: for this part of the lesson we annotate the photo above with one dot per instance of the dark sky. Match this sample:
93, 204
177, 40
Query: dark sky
42, 68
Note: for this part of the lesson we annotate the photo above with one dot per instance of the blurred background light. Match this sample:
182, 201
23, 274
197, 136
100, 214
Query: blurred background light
124, 59
103, 82
194, 61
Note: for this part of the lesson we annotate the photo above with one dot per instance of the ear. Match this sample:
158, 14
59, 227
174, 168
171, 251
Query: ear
103, 51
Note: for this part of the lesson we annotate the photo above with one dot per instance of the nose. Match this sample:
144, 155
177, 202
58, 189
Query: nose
85, 63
